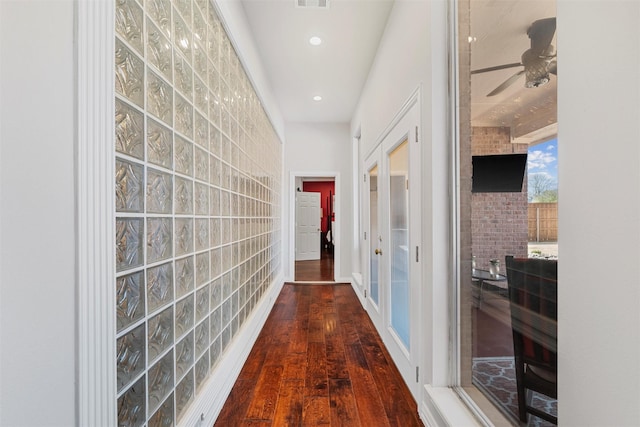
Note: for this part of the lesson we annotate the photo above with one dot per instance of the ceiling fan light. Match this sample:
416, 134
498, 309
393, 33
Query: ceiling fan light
536, 75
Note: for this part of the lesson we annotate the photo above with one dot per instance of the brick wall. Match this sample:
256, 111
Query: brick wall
498, 220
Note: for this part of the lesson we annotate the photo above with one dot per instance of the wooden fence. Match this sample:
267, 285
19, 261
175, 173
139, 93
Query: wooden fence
543, 222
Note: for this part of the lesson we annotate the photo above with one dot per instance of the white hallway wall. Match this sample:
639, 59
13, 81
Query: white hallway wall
37, 214
599, 213
319, 148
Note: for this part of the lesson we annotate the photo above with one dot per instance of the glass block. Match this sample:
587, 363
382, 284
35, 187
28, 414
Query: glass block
216, 293
184, 355
201, 95
184, 315
159, 144
159, 239
160, 381
183, 76
183, 156
159, 286
202, 268
130, 356
226, 312
214, 107
184, 236
160, 334
159, 50
216, 264
202, 337
129, 130
131, 405
199, 27
201, 164
202, 200
128, 19
225, 208
184, 7
184, 276
225, 338
164, 415
160, 12
200, 62
202, 234
226, 230
216, 322
214, 229
214, 352
129, 77
202, 5
202, 369
129, 299
129, 186
182, 36
159, 97
214, 202
184, 116
129, 243
226, 258
202, 303
214, 169
184, 196
159, 192
201, 130
184, 394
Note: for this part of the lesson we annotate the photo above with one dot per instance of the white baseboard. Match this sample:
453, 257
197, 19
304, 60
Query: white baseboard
356, 284
205, 410
441, 407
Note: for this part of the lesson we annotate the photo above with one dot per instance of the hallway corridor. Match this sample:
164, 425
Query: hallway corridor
319, 361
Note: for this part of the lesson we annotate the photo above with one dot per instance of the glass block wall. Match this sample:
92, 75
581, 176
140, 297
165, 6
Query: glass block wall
197, 175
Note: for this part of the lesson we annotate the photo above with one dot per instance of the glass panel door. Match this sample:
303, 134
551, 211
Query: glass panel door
374, 233
399, 240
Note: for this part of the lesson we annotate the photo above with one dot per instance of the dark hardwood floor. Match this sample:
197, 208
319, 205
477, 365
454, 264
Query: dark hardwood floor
319, 361
315, 271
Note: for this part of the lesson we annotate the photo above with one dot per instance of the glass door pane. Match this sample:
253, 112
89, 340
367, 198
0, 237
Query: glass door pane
399, 243
374, 233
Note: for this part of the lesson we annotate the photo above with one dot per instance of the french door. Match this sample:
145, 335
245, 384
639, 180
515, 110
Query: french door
393, 240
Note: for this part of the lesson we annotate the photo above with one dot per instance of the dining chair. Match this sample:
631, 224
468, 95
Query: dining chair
533, 301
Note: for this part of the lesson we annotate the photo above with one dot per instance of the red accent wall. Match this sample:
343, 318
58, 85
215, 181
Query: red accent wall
322, 187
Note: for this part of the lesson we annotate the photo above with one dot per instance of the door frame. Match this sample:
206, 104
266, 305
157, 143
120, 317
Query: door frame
396, 132
337, 250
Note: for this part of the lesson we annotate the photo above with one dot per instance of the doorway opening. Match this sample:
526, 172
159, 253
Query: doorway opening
315, 228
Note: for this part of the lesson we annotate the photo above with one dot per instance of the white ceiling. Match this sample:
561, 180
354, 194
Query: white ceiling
335, 70
351, 31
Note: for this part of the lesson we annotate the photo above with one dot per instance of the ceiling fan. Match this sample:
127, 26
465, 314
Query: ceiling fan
538, 61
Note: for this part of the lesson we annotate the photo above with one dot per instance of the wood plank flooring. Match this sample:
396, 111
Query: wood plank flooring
319, 361
315, 271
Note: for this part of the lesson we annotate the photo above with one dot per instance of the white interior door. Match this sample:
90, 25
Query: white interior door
308, 234
373, 238
393, 176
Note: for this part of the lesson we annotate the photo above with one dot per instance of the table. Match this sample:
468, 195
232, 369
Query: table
483, 275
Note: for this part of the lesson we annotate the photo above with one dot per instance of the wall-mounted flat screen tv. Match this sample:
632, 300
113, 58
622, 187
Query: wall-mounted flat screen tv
498, 173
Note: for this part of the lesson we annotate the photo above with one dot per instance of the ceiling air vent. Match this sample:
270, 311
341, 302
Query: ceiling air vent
321, 4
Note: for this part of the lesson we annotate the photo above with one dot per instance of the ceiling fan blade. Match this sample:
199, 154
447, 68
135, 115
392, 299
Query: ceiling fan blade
497, 67
511, 80
541, 34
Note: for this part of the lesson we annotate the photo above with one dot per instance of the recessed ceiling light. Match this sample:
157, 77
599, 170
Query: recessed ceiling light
317, 98
315, 40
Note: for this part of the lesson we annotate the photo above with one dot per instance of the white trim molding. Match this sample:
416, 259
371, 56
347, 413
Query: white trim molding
95, 204
211, 399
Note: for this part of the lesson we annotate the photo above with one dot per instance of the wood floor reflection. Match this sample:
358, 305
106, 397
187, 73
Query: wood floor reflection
319, 360
315, 271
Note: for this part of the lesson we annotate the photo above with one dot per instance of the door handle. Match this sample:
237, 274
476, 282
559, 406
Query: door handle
378, 252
